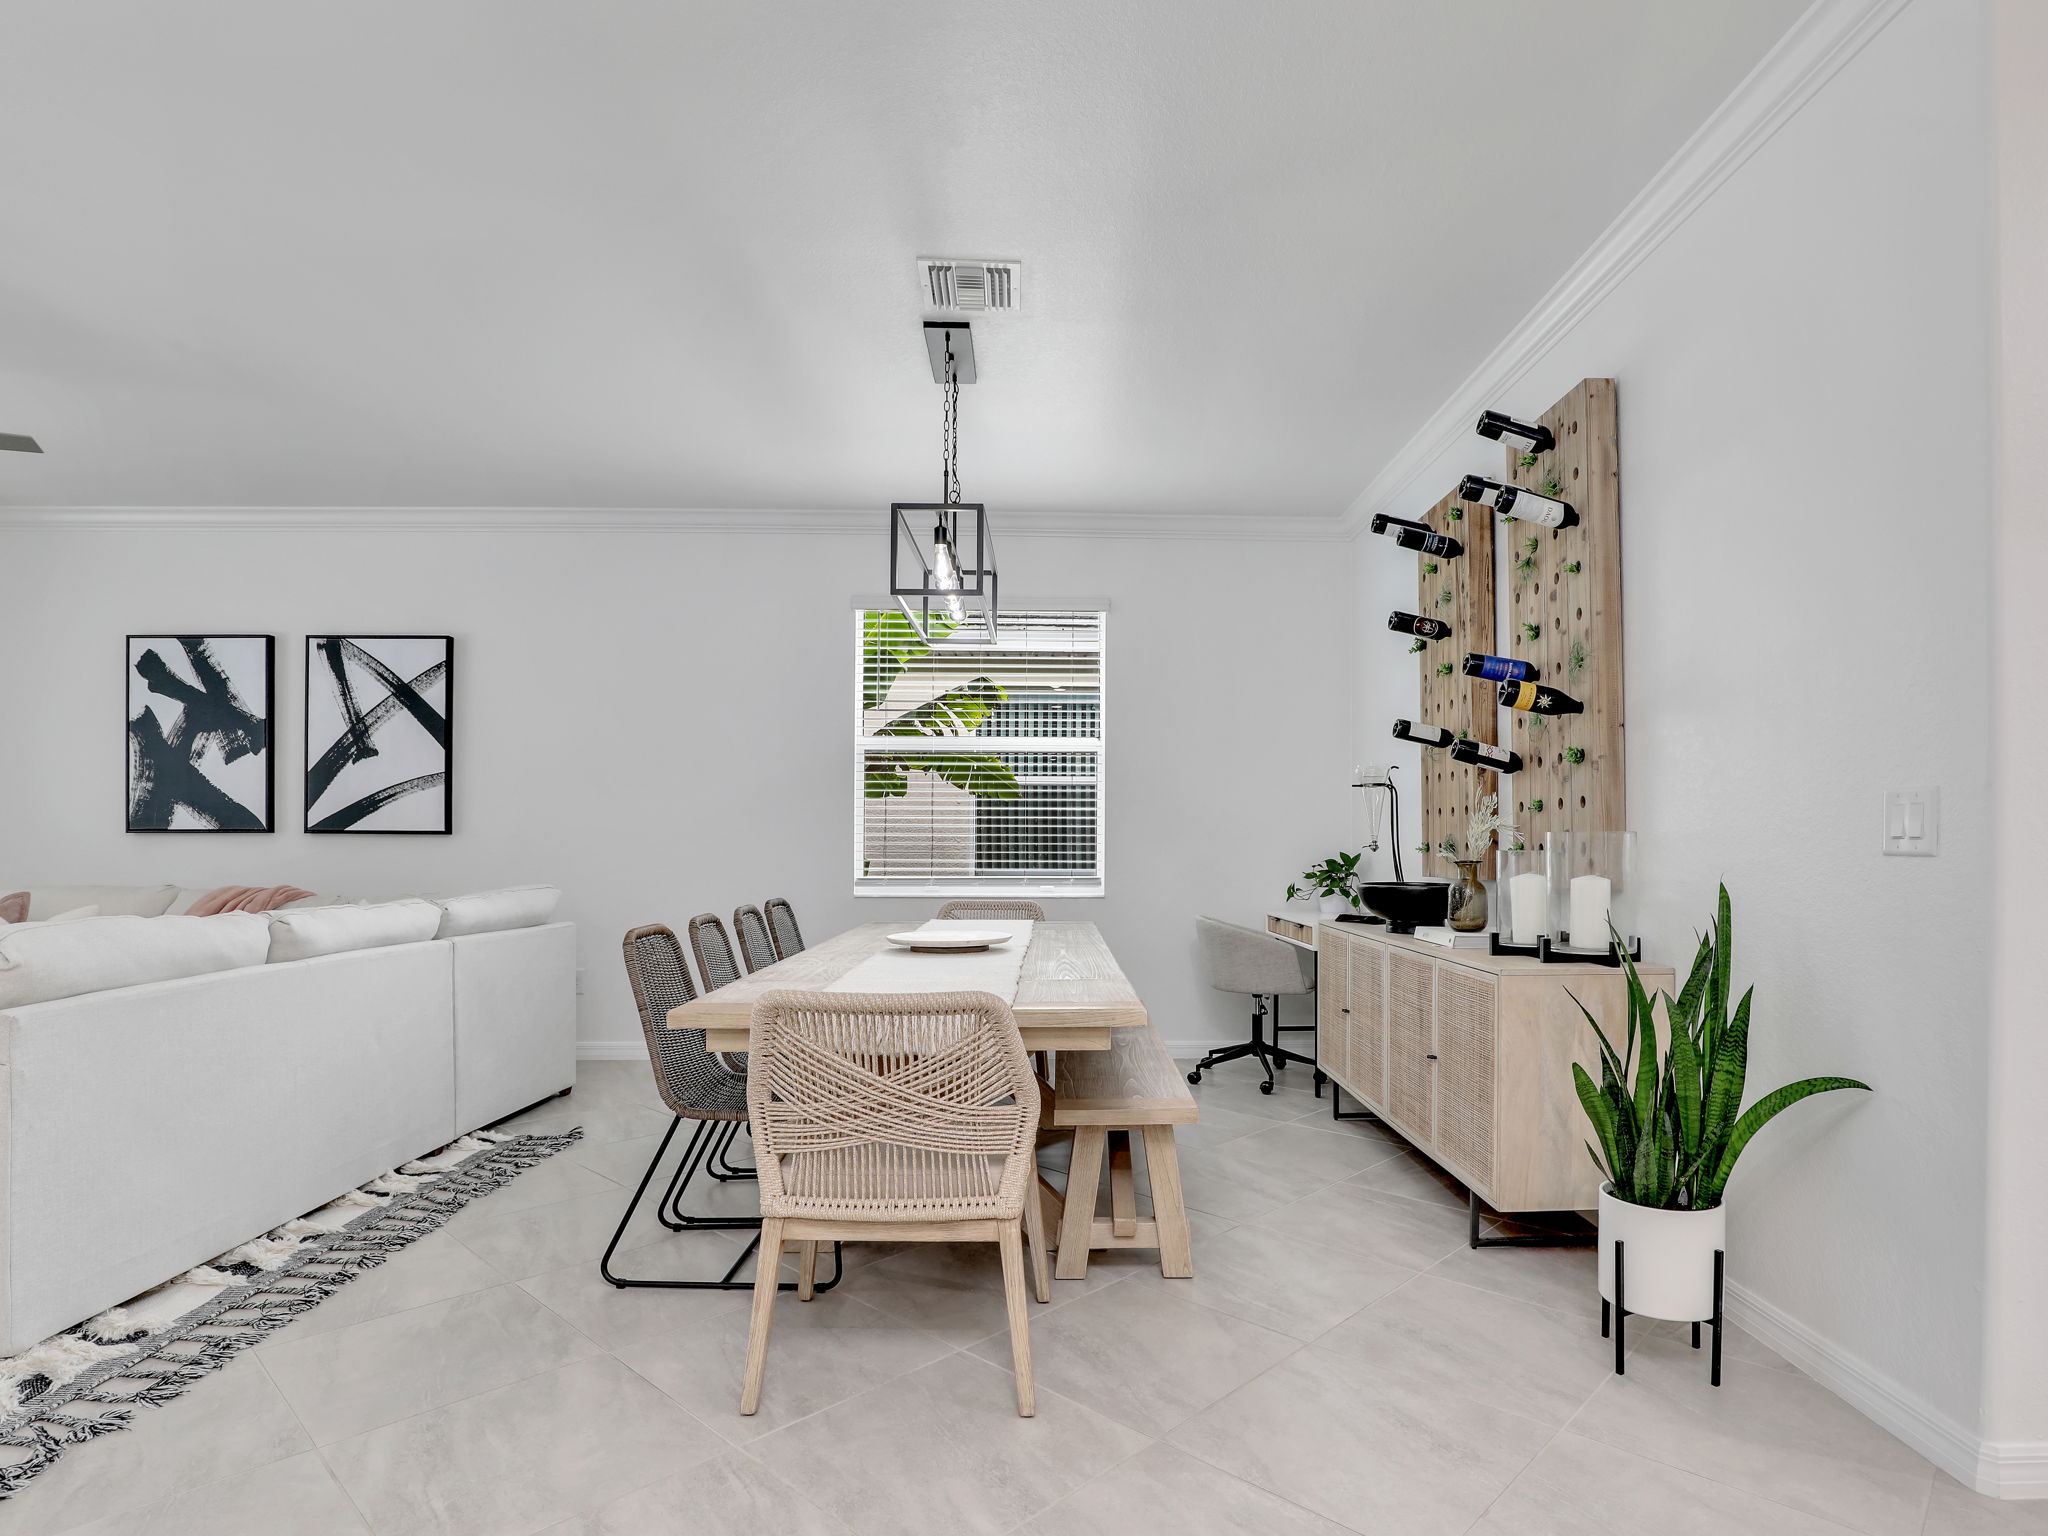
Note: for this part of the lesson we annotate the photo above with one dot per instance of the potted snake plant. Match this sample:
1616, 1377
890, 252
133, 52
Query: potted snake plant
1670, 1126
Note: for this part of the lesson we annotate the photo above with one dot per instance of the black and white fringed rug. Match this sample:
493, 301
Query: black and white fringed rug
91, 1380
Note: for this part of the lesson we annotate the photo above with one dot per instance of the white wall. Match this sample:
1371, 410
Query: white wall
2016, 1324
1803, 378
660, 721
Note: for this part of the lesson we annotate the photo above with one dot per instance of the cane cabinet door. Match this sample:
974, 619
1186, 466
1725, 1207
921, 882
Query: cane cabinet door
1367, 1022
1467, 1021
1333, 1004
1411, 1044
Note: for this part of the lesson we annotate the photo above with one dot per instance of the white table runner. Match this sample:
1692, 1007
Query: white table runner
980, 970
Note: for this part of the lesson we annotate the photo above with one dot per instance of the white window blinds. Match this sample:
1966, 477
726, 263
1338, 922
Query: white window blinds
978, 766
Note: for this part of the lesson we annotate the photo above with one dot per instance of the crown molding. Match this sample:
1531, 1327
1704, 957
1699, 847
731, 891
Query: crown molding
1819, 44
857, 521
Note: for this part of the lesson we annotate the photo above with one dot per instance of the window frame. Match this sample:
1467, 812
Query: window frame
990, 885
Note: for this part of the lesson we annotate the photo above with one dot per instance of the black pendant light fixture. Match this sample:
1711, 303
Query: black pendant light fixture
16, 443
950, 574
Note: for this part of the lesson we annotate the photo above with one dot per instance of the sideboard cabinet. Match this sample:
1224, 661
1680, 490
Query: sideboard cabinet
1469, 1056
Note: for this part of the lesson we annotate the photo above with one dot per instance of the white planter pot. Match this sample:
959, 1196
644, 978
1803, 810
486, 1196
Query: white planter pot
1667, 1258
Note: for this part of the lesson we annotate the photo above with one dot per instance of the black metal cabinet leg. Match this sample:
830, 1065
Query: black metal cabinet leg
1695, 1335
1606, 1318
1534, 1240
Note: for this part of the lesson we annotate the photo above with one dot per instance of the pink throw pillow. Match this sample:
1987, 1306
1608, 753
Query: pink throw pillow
14, 909
245, 898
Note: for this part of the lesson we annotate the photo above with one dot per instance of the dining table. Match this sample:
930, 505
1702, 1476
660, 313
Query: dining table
1065, 987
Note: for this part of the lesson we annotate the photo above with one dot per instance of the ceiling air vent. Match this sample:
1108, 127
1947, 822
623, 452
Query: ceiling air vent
950, 283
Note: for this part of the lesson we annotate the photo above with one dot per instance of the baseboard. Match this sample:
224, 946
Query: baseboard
2011, 1470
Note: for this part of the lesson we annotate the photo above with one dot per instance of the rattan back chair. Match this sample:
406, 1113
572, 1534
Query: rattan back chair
696, 1085
995, 907
898, 1117
751, 929
713, 949
782, 928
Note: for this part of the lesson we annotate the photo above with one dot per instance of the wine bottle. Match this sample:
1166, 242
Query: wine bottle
1498, 669
1422, 735
1539, 700
1480, 489
1382, 523
1494, 425
1484, 754
1533, 507
1416, 624
1442, 545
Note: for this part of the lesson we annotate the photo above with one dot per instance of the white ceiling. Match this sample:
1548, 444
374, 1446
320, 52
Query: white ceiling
659, 253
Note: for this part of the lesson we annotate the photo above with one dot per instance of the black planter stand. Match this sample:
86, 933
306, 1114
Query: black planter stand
1614, 1316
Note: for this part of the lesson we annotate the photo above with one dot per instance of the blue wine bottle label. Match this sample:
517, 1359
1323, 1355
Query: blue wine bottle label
1503, 669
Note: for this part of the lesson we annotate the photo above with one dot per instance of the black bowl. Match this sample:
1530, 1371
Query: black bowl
1408, 904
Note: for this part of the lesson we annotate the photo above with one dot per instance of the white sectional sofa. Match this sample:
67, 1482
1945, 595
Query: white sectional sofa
146, 1128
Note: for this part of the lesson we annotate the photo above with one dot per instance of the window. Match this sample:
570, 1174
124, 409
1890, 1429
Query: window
978, 766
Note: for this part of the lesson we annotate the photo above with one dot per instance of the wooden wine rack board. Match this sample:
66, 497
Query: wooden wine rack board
1460, 591
1564, 616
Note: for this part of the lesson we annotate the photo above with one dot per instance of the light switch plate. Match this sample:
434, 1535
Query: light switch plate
1912, 822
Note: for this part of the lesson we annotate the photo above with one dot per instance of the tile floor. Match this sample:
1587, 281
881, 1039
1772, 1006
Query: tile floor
1341, 1362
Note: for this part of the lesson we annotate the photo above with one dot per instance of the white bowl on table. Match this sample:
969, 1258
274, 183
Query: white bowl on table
965, 939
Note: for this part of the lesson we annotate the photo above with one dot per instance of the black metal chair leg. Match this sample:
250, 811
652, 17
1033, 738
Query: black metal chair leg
720, 1164
670, 1212
693, 1154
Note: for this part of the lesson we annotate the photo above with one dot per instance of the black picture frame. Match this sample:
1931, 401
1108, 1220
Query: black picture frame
136, 750
319, 771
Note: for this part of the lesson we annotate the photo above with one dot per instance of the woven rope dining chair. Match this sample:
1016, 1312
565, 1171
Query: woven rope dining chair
789, 938
993, 907
898, 1117
751, 929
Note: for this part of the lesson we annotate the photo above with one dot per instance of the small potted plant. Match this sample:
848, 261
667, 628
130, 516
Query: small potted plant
1334, 883
1670, 1125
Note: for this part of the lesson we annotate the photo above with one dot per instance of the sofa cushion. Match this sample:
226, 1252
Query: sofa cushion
304, 932
516, 906
14, 909
112, 900
40, 962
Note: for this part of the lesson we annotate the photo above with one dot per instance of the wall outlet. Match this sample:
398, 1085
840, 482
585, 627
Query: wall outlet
1912, 821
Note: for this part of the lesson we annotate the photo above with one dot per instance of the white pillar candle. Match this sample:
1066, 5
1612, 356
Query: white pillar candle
1590, 895
1528, 906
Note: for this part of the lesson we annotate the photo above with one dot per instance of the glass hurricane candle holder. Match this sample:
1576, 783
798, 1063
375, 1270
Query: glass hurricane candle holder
1592, 894
1523, 890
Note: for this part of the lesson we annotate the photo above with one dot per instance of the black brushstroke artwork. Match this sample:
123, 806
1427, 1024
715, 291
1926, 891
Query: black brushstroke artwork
180, 751
392, 750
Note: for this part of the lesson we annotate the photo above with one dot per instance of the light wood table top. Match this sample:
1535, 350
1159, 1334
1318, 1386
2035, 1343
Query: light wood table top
1070, 995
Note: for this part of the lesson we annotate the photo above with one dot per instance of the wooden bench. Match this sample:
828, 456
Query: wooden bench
1102, 1097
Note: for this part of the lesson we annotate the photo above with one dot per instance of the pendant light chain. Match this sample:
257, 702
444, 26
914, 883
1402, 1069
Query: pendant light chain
950, 447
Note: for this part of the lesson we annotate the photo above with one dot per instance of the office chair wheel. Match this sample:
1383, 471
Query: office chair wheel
1195, 1076
1265, 1087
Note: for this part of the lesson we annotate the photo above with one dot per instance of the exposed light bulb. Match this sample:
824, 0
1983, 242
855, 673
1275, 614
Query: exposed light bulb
946, 574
